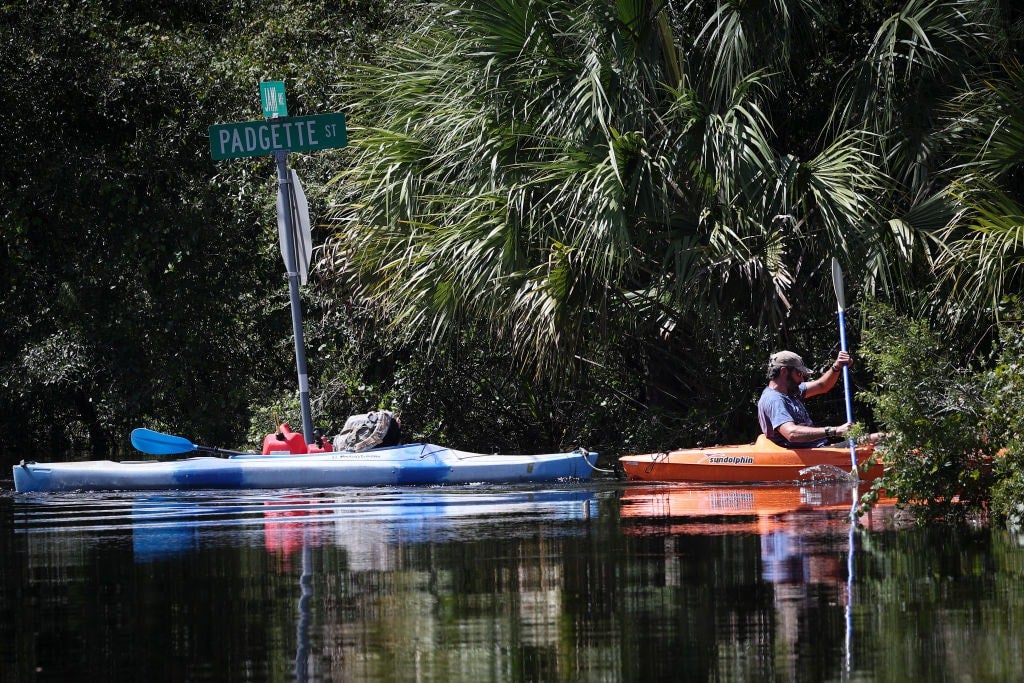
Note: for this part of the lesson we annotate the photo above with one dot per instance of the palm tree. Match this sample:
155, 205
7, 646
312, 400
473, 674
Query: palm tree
567, 174
984, 259
919, 59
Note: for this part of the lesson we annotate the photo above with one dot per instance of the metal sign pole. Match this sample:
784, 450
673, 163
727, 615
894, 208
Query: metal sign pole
284, 182
277, 135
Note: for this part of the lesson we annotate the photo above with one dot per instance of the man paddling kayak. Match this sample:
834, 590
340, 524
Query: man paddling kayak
780, 410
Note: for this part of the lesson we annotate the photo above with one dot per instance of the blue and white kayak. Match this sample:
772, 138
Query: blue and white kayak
410, 464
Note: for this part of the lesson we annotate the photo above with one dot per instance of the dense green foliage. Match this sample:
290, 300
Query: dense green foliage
567, 173
955, 420
657, 181
1003, 386
141, 281
927, 397
982, 261
558, 222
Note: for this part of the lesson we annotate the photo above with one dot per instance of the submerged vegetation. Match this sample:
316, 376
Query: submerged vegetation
557, 223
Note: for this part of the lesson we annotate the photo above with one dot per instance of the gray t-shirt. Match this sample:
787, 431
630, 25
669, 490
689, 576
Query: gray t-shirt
775, 409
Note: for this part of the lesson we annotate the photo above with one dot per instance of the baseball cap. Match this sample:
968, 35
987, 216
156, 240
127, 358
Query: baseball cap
788, 359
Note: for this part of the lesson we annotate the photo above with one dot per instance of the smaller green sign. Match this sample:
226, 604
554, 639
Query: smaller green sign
272, 97
290, 134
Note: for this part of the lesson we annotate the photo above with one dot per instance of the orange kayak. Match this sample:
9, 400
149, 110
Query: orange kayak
761, 461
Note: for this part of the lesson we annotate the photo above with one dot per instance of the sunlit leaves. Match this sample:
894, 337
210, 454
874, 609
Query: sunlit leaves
984, 255
551, 161
934, 408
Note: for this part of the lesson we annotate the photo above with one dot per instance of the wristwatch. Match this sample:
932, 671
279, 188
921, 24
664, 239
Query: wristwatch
828, 432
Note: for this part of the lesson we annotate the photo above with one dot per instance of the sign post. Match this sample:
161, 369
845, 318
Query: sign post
284, 193
276, 136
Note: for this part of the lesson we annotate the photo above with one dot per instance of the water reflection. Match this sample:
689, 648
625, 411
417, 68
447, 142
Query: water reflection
302, 663
370, 565
797, 528
766, 509
605, 581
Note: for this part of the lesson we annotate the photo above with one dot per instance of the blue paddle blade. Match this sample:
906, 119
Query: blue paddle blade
155, 443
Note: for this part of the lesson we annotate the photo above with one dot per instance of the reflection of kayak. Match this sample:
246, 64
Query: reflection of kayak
761, 461
759, 509
365, 524
707, 501
797, 526
401, 465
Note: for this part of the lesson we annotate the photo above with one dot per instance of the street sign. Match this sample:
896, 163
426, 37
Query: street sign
272, 96
289, 134
277, 136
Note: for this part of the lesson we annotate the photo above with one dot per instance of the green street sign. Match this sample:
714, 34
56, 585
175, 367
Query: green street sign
289, 134
273, 100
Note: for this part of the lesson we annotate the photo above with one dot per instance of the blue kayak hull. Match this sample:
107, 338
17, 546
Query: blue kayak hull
409, 465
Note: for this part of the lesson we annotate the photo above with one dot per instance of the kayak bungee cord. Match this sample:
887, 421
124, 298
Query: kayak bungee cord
584, 452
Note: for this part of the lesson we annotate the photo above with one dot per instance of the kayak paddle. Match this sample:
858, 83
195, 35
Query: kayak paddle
837, 282
156, 443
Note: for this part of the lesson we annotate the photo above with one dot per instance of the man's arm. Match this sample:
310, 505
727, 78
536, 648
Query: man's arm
828, 380
795, 433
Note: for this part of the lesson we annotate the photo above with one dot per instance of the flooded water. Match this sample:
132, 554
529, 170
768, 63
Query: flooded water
604, 581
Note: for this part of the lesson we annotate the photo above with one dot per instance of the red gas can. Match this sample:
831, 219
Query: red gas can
319, 445
284, 441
